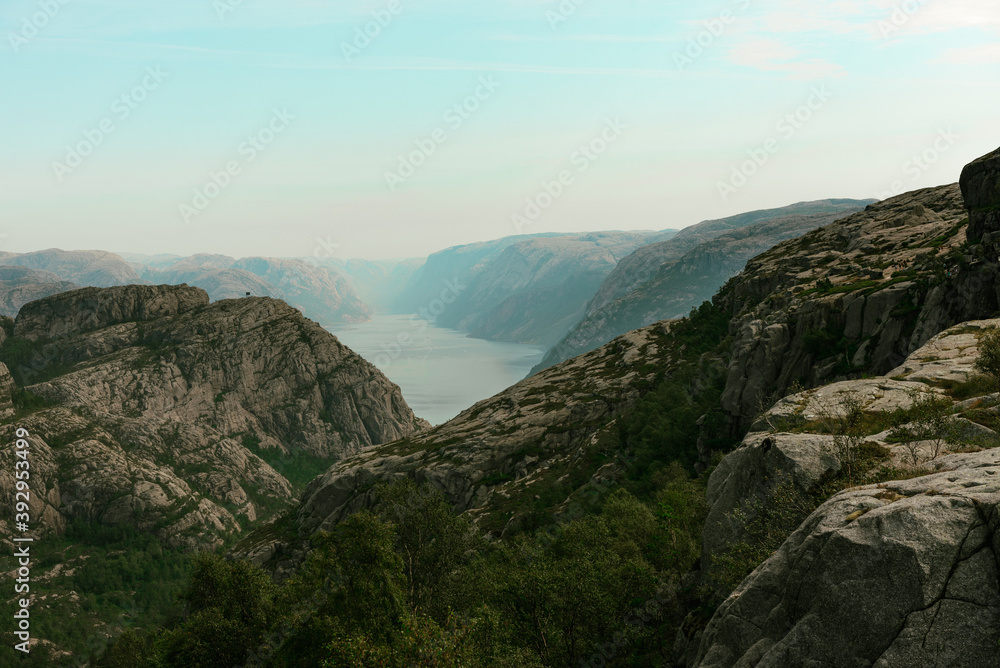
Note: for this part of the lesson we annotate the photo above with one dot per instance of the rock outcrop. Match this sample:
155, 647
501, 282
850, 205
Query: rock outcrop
899, 574
981, 187
667, 279
886, 574
149, 406
857, 296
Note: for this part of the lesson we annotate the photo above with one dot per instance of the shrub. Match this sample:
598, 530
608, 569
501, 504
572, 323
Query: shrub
989, 355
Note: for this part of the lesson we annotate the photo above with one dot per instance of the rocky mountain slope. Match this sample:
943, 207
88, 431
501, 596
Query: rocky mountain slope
321, 293
86, 268
150, 407
665, 280
922, 551
857, 296
918, 543
519, 289
20, 285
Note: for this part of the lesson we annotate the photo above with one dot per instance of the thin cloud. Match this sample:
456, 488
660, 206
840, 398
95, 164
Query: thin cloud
768, 55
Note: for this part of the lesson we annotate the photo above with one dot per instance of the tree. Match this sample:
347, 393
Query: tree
355, 592
989, 355
231, 605
431, 539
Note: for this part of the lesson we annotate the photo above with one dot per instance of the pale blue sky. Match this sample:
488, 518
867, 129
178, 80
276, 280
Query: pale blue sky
894, 83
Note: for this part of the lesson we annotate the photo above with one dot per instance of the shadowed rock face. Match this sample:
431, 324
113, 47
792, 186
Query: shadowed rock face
160, 404
880, 575
857, 296
981, 188
898, 575
667, 279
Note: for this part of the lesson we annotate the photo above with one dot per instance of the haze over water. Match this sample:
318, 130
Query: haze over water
440, 371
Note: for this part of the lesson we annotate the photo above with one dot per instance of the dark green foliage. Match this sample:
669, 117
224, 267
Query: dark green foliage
434, 542
663, 427
825, 342
989, 355
411, 584
26, 401
122, 577
765, 526
18, 354
297, 466
230, 606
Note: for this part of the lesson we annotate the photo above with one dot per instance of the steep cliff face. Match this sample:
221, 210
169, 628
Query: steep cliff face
981, 186
885, 574
149, 406
666, 280
644, 264
526, 290
856, 296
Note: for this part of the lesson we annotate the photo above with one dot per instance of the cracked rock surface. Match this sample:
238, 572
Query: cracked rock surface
163, 411
893, 575
896, 575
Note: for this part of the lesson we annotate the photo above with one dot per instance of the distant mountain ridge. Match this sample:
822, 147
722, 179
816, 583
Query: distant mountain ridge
322, 293
665, 280
521, 289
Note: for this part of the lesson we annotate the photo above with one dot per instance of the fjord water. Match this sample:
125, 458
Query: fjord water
440, 371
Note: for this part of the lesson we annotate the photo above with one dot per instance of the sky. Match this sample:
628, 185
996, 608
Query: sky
395, 128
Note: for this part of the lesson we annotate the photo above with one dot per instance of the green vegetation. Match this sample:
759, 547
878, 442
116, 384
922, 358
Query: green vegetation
766, 525
108, 578
989, 355
298, 467
411, 584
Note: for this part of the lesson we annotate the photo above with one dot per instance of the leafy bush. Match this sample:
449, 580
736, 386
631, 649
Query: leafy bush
989, 355
765, 526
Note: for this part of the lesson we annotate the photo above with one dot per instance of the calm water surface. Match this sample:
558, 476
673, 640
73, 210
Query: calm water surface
440, 371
